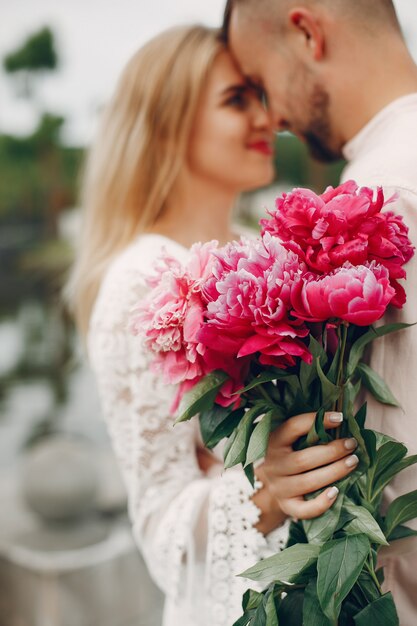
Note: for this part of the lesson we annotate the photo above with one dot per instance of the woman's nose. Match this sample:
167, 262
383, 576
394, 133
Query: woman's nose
262, 117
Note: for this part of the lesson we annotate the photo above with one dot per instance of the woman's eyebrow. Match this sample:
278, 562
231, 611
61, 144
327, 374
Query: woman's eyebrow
234, 89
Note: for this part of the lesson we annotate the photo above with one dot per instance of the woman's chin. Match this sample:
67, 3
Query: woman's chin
263, 180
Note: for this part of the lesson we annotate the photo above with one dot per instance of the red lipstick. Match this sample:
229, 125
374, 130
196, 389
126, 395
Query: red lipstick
264, 147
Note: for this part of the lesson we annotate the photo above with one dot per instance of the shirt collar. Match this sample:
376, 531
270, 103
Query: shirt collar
372, 130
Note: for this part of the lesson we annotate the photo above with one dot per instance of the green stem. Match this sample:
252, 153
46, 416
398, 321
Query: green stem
342, 332
371, 571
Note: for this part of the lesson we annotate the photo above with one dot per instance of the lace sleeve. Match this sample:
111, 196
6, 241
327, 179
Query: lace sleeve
195, 532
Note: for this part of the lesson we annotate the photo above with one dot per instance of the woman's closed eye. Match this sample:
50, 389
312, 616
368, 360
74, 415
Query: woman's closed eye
238, 99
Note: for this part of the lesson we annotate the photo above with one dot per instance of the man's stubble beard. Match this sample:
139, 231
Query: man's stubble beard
318, 132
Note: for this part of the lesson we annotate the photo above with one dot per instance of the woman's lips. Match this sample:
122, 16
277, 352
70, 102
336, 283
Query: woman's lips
264, 147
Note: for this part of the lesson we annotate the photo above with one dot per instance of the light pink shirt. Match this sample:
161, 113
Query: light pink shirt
385, 153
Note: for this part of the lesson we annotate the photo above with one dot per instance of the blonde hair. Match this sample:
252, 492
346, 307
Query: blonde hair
139, 152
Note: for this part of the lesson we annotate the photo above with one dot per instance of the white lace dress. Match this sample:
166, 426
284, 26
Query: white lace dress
195, 531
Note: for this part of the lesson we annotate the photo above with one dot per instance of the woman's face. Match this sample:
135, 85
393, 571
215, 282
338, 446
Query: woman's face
232, 139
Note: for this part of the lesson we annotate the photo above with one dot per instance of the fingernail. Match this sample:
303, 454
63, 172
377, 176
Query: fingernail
332, 493
351, 461
336, 418
351, 444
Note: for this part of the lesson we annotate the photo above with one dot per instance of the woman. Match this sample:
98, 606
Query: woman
181, 138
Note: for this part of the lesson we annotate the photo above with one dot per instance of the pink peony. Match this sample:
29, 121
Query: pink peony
342, 225
248, 301
359, 295
171, 314
169, 319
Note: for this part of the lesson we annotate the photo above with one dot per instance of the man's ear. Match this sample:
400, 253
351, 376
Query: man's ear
304, 23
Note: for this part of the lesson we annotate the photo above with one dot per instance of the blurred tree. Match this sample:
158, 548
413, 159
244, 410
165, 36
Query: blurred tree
35, 56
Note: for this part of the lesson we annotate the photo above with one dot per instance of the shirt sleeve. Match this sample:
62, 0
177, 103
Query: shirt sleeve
196, 532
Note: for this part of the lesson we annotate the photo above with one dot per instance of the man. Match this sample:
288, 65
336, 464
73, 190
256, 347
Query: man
337, 73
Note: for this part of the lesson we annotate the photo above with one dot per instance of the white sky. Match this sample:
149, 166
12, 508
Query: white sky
95, 38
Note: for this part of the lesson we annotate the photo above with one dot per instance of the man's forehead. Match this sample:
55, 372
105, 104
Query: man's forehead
247, 45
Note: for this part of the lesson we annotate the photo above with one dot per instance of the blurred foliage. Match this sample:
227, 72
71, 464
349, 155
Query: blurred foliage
33, 58
36, 54
296, 168
38, 174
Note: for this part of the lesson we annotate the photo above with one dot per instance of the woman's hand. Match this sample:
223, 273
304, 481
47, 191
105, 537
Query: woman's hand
287, 475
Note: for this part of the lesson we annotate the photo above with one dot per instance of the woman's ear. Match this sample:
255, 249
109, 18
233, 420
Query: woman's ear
311, 36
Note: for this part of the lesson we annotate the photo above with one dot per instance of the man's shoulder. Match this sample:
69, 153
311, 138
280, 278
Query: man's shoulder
388, 169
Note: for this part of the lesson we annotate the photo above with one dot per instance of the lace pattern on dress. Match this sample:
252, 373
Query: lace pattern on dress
171, 502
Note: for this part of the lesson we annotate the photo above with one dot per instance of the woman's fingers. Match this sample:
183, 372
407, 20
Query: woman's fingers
308, 509
298, 462
298, 485
295, 427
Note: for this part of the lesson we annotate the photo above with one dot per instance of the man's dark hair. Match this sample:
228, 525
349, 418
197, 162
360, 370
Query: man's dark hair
226, 21
367, 12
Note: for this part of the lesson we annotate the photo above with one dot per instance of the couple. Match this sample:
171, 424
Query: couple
186, 131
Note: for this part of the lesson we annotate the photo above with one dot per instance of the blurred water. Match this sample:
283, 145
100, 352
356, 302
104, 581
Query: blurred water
11, 342
45, 383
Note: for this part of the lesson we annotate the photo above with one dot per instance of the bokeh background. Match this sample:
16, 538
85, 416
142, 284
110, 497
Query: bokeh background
66, 554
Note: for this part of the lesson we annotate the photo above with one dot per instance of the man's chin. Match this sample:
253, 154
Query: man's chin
320, 151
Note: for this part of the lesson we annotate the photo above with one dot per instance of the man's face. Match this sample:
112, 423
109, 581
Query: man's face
297, 100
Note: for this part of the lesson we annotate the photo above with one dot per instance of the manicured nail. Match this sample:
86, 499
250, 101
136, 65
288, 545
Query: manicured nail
332, 493
336, 418
351, 461
351, 444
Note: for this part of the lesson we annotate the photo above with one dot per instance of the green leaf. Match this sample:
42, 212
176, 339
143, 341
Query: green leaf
259, 439
290, 612
251, 599
389, 452
368, 588
334, 367
339, 564
317, 431
350, 394
330, 392
358, 348
320, 529
259, 617
401, 510
385, 477
382, 612
218, 423
265, 377
364, 523
312, 612
245, 619
270, 610
344, 519
361, 451
402, 532
250, 474
308, 372
376, 385
284, 566
201, 396
370, 444
236, 452
296, 534
360, 416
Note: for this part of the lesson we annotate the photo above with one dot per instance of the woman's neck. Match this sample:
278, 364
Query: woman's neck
197, 212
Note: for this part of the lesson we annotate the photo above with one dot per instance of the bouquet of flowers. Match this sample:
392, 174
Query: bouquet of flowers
260, 330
